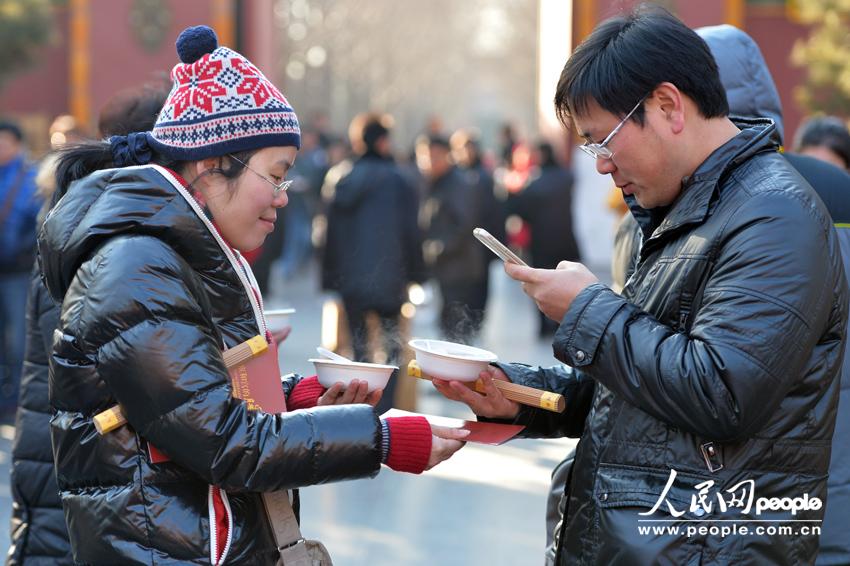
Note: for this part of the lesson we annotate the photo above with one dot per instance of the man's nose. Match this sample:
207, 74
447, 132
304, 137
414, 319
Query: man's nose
605, 165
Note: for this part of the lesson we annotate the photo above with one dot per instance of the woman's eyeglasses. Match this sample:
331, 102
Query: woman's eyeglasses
278, 187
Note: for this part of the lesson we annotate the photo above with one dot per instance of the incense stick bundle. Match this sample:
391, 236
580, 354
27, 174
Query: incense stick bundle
112, 418
520, 393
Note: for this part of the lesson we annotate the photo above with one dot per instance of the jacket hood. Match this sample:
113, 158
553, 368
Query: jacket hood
744, 74
142, 201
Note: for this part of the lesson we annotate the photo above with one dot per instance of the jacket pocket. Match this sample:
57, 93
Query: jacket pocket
644, 518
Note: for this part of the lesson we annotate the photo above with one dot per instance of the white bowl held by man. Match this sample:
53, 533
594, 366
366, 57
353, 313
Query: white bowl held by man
449, 360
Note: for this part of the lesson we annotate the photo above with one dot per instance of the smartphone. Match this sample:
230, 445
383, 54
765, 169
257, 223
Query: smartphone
497, 247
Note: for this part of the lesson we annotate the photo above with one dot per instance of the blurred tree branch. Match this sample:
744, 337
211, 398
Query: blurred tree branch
25, 26
825, 55
469, 62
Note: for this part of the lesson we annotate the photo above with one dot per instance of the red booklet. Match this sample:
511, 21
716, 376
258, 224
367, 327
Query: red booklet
257, 382
485, 433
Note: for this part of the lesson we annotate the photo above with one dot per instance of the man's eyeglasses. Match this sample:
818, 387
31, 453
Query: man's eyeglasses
278, 187
600, 150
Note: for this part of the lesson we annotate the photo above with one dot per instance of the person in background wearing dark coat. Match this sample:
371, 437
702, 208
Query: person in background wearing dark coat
149, 302
507, 143
715, 370
38, 531
373, 249
546, 204
466, 152
825, 138
452, 210
18, 210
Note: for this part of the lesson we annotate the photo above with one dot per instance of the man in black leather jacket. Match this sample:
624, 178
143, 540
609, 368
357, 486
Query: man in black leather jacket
711, 382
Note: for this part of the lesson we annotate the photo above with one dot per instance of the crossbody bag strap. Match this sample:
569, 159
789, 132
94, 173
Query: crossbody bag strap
287, 532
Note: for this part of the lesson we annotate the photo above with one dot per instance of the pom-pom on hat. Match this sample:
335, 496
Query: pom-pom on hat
220, 103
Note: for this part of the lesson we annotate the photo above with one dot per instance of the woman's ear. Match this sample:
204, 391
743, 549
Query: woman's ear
198, 172
201, 170
208, 166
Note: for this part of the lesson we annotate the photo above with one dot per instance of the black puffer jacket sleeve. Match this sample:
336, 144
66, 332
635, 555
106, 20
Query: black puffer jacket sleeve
748, 341
160, 356
576, 388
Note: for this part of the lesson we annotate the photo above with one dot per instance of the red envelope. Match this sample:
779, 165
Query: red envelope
484, 433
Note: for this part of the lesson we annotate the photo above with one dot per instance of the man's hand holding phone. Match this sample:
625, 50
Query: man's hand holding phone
554, 290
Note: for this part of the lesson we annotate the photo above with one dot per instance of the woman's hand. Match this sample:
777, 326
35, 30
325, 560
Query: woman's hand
444, 443
280, 335
356, 392
491, 404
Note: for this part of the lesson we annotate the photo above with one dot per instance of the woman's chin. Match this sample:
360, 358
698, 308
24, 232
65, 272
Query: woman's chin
249, 246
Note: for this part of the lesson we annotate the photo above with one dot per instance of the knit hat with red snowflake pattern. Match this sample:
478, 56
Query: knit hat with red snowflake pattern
220, 103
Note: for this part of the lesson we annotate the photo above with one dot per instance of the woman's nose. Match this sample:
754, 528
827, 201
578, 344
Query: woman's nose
280, 200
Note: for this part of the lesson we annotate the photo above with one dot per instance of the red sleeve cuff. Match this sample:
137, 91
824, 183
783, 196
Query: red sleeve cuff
305, 395
410, 444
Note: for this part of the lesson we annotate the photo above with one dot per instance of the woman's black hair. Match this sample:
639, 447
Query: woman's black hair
80, 160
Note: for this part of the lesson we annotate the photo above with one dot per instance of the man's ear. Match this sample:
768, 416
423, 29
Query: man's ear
671, 103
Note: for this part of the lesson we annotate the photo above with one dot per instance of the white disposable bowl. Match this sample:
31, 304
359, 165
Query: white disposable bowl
448, 360
278, 319
332, 371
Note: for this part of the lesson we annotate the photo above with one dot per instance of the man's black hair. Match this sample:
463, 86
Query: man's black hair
12, 128
547, 154
438, 141
627, 56
826, 131
132, 110
373, 131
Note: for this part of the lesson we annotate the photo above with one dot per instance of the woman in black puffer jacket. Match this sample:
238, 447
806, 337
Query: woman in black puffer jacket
143, 253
